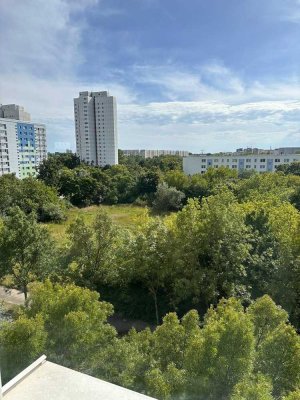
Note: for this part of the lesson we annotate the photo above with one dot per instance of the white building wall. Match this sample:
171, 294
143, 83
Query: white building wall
195, 164
11, 154
9, 162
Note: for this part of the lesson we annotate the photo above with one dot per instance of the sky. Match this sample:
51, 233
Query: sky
196, 75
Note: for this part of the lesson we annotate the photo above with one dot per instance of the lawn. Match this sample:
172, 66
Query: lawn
125, 215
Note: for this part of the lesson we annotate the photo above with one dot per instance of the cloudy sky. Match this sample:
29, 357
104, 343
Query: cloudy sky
197, 75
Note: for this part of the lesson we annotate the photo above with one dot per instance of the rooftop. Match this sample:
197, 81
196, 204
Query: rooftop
44, 380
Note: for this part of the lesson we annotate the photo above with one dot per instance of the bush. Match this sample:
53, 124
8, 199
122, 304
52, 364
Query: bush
51, 212
167, 198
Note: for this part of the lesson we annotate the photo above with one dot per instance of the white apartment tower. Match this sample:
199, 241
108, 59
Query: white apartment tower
96, 128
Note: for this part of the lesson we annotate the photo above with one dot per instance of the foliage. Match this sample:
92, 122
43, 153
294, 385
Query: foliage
26, 250
30, 195
167, 198
289, 169
93, 251
255, 388
21, 342
182, 358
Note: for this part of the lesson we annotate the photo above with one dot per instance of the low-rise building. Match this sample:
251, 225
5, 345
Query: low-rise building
262, 162
155, 153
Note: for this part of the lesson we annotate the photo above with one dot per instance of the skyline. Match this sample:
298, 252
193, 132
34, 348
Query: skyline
193, 76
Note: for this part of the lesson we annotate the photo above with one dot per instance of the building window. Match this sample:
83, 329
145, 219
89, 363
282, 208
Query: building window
262, 160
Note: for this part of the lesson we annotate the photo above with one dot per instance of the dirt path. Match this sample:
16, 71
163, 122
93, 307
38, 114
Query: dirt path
11, 296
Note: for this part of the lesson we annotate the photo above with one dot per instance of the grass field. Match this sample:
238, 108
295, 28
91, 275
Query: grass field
125, 215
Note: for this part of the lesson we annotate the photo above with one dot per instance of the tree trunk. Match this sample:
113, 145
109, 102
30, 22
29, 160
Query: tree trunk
156, 307
25, 291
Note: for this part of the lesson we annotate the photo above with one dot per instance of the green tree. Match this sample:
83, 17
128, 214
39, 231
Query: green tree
148, 182
253, 388
266, 316
21, 341
93, 250
293, 168
292, 395
31, 195
279, 359
212, 249
223, 354
75, 322
27, 251
150, 258
49, 169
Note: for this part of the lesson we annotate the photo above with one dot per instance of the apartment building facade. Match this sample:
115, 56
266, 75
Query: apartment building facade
96, 128
22, 146
263, 162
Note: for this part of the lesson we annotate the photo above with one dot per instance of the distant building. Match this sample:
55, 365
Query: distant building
13, 111
22, 143
155, 153
261, 162
288, 150
96, 128
44, 380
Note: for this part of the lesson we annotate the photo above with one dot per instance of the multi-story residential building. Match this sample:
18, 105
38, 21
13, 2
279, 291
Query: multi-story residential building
263, 162
155, 153
96, 128
22, 144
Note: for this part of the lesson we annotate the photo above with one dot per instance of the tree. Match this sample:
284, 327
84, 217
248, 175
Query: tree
177, 179
21, 341
167, 198
49, 169
31, 195
266, 316
150, 258
292, 395
148, 182
279, 359
26, 248
93, 251
223, 354
212, 249
253, 388
75, 321
293, 168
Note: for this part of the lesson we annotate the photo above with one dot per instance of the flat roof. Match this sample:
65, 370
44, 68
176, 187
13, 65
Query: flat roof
44, 380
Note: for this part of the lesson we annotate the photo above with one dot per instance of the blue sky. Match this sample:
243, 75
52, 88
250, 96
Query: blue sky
197, 75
